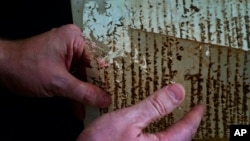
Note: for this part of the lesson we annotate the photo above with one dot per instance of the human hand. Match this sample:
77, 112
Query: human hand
127, 124
39, 66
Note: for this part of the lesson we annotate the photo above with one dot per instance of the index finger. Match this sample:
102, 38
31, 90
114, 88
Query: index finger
186, 128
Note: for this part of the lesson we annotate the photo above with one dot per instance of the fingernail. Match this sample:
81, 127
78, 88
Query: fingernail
176, 92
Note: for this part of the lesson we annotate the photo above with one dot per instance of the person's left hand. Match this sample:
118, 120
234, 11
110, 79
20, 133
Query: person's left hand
40, 66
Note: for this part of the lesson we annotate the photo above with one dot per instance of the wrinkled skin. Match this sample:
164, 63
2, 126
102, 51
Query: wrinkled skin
127, 124
40, 67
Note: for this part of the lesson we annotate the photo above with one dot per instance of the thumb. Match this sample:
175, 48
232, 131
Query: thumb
84, 92
159, 104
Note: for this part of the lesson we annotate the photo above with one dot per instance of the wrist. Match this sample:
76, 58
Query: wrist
5, 51
8, 51
3, 45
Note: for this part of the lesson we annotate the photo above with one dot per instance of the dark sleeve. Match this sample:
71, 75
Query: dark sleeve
34, 119
25, 18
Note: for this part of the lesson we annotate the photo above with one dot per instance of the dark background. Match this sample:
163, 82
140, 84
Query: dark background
33, 119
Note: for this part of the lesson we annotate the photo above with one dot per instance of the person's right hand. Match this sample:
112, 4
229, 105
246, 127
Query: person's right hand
40, 66
128, 124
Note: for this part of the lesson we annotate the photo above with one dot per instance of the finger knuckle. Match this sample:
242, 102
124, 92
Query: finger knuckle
188, 133
57, 85
158, 105
89, 95
71, 27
